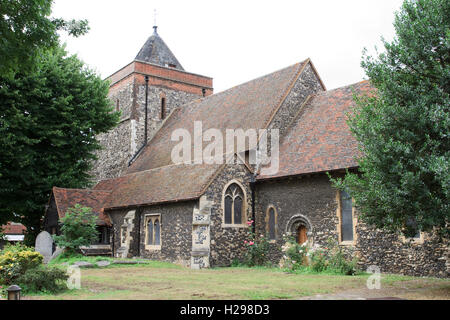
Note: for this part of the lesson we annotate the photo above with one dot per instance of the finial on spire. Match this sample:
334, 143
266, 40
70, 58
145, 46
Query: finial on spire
154, 21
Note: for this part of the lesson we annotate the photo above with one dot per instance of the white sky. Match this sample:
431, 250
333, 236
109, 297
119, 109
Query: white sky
234, 41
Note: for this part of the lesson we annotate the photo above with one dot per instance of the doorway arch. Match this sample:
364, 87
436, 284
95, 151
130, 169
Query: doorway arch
300, 227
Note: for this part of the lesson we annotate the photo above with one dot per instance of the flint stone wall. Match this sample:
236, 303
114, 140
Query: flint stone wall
227, 243
314, 198
176, 232
120, 144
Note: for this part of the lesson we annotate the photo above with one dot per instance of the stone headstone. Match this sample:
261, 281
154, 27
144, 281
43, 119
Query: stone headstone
44, 245
58, 251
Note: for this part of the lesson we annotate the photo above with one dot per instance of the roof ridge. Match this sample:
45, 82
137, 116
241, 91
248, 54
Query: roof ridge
346, 86
80, 189
301, 68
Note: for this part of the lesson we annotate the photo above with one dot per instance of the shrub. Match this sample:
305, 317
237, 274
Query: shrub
15, 260
256, 247
318, 260
43, 279
78, 229
332, 258
294, 254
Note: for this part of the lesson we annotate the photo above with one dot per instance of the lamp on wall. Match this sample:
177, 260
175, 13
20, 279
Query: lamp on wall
14, 292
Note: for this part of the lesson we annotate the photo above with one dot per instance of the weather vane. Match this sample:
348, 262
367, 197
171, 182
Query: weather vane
154, 20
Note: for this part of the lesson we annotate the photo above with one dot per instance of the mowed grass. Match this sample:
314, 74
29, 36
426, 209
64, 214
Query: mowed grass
160, 280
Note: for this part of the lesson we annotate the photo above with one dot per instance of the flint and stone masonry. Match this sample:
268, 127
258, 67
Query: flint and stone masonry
168, 89
192, 228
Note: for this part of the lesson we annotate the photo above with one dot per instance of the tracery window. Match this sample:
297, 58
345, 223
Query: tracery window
153, 230
234, 205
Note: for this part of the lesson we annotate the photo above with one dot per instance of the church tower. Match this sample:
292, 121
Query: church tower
156, 81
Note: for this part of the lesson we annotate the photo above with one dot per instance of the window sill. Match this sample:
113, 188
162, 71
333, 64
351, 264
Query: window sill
152, 247
416, 241
236, 226
347, 243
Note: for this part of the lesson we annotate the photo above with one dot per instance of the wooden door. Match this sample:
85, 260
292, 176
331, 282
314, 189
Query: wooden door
302, 235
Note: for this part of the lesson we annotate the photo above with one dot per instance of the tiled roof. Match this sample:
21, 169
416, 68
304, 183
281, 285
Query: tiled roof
165, 184
95, 199
248, 106
13, 228
320, 139
156, 51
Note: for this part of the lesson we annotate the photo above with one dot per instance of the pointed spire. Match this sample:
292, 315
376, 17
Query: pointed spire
157, 52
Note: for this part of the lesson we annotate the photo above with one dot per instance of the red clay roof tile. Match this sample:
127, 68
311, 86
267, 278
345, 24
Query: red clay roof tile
95, 199
165, 184
13, 228
246, 106
320, 139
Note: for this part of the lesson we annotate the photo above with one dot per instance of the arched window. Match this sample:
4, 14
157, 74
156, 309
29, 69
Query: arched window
346, 216
153, 231
234, 205
271, 223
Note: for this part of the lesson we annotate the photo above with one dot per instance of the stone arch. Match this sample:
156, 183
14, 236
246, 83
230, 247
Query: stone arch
300, 220
244, 206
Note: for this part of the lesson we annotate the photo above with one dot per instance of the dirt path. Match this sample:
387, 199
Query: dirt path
409, 290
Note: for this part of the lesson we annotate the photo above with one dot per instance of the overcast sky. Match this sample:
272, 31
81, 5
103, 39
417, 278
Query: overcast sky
234, 41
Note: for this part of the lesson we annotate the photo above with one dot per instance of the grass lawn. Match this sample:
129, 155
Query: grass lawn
160, 280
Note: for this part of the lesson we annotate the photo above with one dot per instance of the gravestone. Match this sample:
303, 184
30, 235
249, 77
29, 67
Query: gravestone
44, 245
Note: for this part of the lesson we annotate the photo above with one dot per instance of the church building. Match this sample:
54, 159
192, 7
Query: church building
196, 213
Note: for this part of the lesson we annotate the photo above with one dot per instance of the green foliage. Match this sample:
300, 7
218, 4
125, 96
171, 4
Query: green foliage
15, 260
43, 279
305, 258
294, 254
332, 258
256, 248
78, 229
49, 119
404, 180
26, 29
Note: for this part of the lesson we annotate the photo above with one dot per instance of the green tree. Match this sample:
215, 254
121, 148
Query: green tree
49, 119
404, 173
78, 229
26, 29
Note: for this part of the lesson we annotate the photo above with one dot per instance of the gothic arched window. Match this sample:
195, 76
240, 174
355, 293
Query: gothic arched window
234, 205
271, 223
346, 216
153, 231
